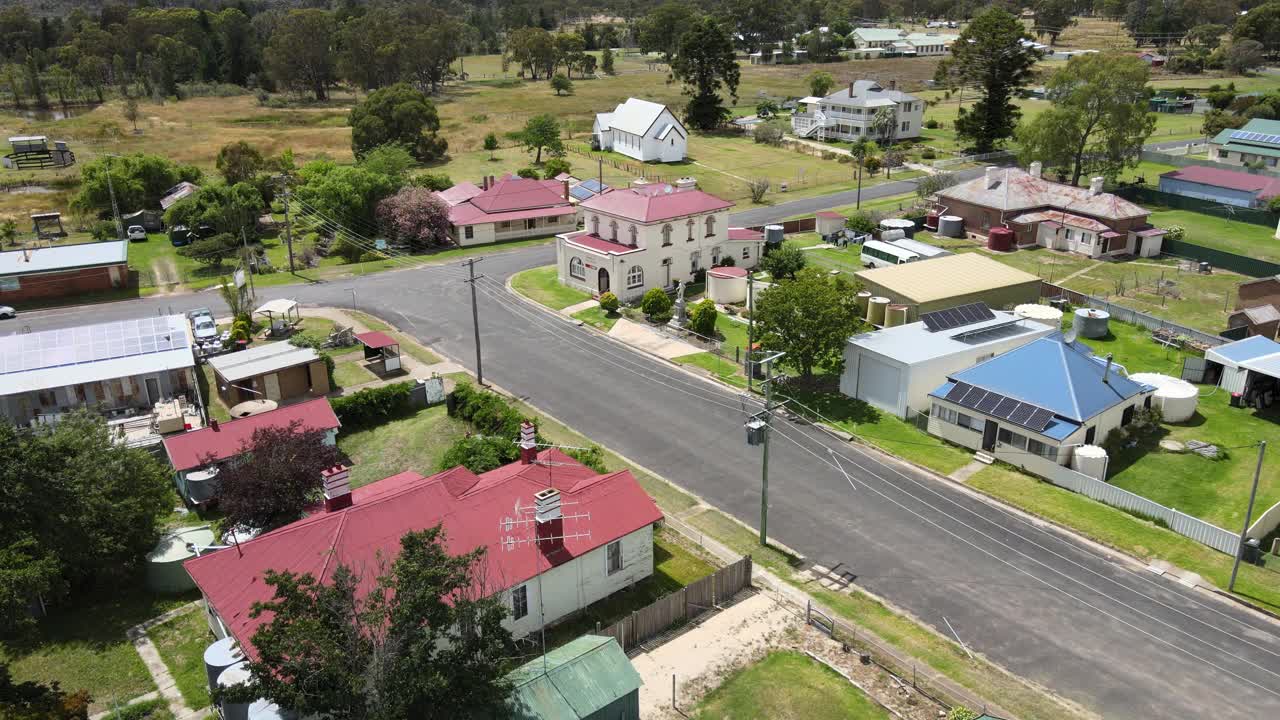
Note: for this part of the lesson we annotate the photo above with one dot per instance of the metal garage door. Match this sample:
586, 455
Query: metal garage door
879, 383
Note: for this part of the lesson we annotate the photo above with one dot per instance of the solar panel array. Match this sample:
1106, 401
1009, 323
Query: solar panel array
1255, 136
1031, 417
958, 316
593, 185
580, 193
91, 343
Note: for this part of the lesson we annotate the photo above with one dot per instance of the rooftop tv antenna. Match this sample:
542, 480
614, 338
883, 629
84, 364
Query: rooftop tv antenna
547, 508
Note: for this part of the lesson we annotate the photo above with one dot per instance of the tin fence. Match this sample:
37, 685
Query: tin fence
1144, 195
1243, 264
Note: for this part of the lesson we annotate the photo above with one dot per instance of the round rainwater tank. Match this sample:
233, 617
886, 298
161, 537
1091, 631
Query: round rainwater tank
1092, 323
896, 315
264, 709
1000, 239
727, 285
891, 235
773, 235
1090, 460
931, 221
876, 309
219, 656
908, 227
1176, 398
862, 299
202, 484
164, 563
1043, 314
951, 226
237, 674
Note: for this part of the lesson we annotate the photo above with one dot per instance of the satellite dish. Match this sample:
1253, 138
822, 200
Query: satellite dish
1070, 336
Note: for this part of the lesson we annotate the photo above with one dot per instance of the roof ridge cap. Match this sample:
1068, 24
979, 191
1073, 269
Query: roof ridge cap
1071, 386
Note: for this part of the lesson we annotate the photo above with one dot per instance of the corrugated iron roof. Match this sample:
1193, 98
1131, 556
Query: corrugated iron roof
1016, 189
1059, 217
63, 257
581, 678
655, 202
195, 448
1265, 186
945, 277
1262, 314
262, 359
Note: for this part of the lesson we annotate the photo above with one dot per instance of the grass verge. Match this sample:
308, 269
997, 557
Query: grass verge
541, 285
181, 643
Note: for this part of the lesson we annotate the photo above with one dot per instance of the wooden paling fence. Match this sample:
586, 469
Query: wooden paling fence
680, 606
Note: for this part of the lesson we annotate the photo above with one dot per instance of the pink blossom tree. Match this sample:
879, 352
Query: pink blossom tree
416, 216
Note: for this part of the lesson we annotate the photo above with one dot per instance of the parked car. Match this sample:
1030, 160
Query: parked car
179, 235
7, 312
136, 232
204, 329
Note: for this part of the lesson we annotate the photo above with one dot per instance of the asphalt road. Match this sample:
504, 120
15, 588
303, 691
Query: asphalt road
1120, 641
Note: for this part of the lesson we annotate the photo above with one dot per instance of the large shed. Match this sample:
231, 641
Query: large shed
896, 368
275, 371
63, 271
587, 679
1244, 366
950, 281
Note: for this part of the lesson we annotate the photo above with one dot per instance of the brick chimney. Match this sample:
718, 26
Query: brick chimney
548, 520
850, 88
528, 443
566, 190
484, 183
893, 84
213, 424
337, 488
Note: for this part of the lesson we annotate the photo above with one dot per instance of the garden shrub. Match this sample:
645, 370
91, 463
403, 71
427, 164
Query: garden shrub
861, 222
1174, 232
609, 303
592, 457
141, 711
528, 173
372, 406
928, 154
931, 124
702, 318
656, 305
479, 454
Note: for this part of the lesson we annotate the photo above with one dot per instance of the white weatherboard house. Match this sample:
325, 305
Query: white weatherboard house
650, 236
896, 368
850, 113
643, 130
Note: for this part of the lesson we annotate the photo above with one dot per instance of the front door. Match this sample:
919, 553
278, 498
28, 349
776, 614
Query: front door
604, 281
989, 436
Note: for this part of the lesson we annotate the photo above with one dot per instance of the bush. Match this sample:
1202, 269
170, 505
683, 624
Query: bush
656, 305
1143, 430
702, 318
768, 133
931, 124
928, 154
372, 406
347, 250
871, 163
528, 173
488, 412
432, 181
609, 303
142, 711
1177, 232
370, 256
479, 454
554, 166
103, 230
962, 713
592, 457
861, 222
307, 340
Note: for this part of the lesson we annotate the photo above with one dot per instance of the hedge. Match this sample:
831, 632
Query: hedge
373, 406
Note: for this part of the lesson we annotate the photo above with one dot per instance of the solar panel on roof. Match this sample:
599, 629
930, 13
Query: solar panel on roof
958, 391
92, 343
988, 403
581, 193
958, 316
1039, 420
593, 185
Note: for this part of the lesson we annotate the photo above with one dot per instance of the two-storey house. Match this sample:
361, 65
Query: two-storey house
851, 113
647, 236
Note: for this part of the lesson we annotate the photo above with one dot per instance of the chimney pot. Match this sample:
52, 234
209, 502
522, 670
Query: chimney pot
1095, 185
528, 443
850, 88
337, 487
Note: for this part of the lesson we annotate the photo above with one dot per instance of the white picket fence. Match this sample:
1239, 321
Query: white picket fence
1179, 522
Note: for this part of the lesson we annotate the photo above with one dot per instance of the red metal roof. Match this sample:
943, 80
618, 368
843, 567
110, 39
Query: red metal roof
468, 214
516, 193
193, 449
471, 509
376, 340
459, 193
1264, 186
727, 272
655, 202
830, 215
745, 234
599, 244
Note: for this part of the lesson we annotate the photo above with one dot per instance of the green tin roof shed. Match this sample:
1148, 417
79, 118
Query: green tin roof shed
587, 679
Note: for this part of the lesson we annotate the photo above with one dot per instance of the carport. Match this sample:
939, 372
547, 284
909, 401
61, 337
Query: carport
281, 313
381, 348
1249, 368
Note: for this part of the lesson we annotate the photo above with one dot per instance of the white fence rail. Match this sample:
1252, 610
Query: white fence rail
1179, 522
951, 162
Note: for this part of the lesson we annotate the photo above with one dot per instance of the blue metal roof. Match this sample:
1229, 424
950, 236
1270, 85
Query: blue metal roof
1060, 377
1247, 349
1058, 428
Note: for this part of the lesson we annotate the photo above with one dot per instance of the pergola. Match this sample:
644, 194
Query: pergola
381, 346
280, 313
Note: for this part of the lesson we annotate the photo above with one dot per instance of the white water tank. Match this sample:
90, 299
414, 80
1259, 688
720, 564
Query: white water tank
1176, 398
264, 709
1043, 314
908, 227
219, 656
237, 674
726, 285
1090, 460
891, 235
951, 226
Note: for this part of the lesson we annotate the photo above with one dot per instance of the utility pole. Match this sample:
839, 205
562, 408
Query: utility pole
115, 207
475, 314
1248, 516
248, 267
758, 431
751, 323
288, 225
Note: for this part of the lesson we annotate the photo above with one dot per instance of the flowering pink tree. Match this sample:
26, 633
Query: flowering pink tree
415, 215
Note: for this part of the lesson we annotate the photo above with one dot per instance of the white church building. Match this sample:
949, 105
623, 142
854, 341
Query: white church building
643, 130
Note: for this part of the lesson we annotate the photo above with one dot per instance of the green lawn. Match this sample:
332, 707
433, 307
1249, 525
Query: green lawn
208, 390
542, 286
724, 368
675, 565
413, 443
84, 646
787, 684
349, 370
597, 318
1230, 236
181, 643
157, 709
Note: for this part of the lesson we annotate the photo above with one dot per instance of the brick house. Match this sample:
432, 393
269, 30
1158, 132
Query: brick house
63, 271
